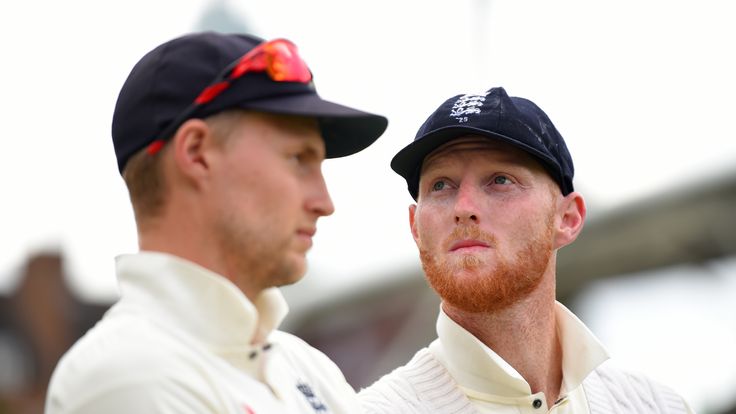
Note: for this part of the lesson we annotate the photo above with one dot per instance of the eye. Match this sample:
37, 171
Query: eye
301, 157
298, 158
501, 180
438, 185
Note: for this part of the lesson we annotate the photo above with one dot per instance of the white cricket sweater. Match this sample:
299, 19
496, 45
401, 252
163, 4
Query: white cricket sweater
184, 340
458, 374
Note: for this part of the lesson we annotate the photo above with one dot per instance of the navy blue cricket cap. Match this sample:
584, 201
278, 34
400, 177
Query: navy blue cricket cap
516, 121
168, 79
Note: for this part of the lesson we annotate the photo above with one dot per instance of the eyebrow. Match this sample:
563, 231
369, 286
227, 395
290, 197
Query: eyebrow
310, 146
301, 127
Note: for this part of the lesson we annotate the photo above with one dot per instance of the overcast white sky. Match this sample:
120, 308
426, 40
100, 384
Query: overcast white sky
642, 92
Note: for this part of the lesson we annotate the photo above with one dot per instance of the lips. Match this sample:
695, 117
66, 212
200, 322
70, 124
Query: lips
467, 244
309, 232
305, 236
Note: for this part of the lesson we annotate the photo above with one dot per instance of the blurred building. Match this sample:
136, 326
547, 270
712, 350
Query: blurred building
39, 321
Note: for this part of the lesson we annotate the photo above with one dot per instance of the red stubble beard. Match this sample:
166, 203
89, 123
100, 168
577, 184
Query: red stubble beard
474, 285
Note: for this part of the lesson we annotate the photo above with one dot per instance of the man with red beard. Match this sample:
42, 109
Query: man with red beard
493, 184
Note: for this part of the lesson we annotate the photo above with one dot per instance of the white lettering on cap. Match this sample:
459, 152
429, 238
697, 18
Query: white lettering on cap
467, 105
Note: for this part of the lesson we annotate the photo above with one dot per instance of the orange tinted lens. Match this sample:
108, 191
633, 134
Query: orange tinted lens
278, 58
284, 63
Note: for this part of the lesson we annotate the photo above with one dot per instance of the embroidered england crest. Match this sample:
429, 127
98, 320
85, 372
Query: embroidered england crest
311, 397
465, 105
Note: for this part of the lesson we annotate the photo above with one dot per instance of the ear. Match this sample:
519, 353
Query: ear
413, 223
190, 147
572, 217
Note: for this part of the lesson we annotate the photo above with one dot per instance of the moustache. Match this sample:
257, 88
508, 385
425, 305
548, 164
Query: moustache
470, 232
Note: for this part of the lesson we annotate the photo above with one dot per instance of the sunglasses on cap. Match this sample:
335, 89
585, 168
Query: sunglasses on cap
277, 58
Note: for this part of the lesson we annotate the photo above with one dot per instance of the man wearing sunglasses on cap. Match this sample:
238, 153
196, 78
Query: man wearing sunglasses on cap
220, 140
492, 180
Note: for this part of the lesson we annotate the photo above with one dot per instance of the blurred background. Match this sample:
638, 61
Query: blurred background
641, 91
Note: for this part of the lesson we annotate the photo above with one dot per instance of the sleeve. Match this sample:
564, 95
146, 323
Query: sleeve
142, 383
422, 386
610, 388
389, 395
160, 397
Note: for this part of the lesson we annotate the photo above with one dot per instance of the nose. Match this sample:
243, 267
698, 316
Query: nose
319, 201
466, 206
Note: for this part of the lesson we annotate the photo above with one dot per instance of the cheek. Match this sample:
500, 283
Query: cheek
532, 227
429, 228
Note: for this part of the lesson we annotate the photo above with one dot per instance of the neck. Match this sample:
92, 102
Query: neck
524, 335
188, 238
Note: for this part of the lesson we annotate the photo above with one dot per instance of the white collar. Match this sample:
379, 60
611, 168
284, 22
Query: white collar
477, 367
204, 304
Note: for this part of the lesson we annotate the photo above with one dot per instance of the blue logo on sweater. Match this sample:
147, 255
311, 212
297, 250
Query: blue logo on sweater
312, 399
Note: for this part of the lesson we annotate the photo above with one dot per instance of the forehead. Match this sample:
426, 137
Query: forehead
277, 129
463, 147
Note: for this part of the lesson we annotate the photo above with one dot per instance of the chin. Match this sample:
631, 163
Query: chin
294, 278
291, 273
287, 282
469, 264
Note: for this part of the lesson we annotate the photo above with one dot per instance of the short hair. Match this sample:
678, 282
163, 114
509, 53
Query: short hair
146, 184
144, 177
